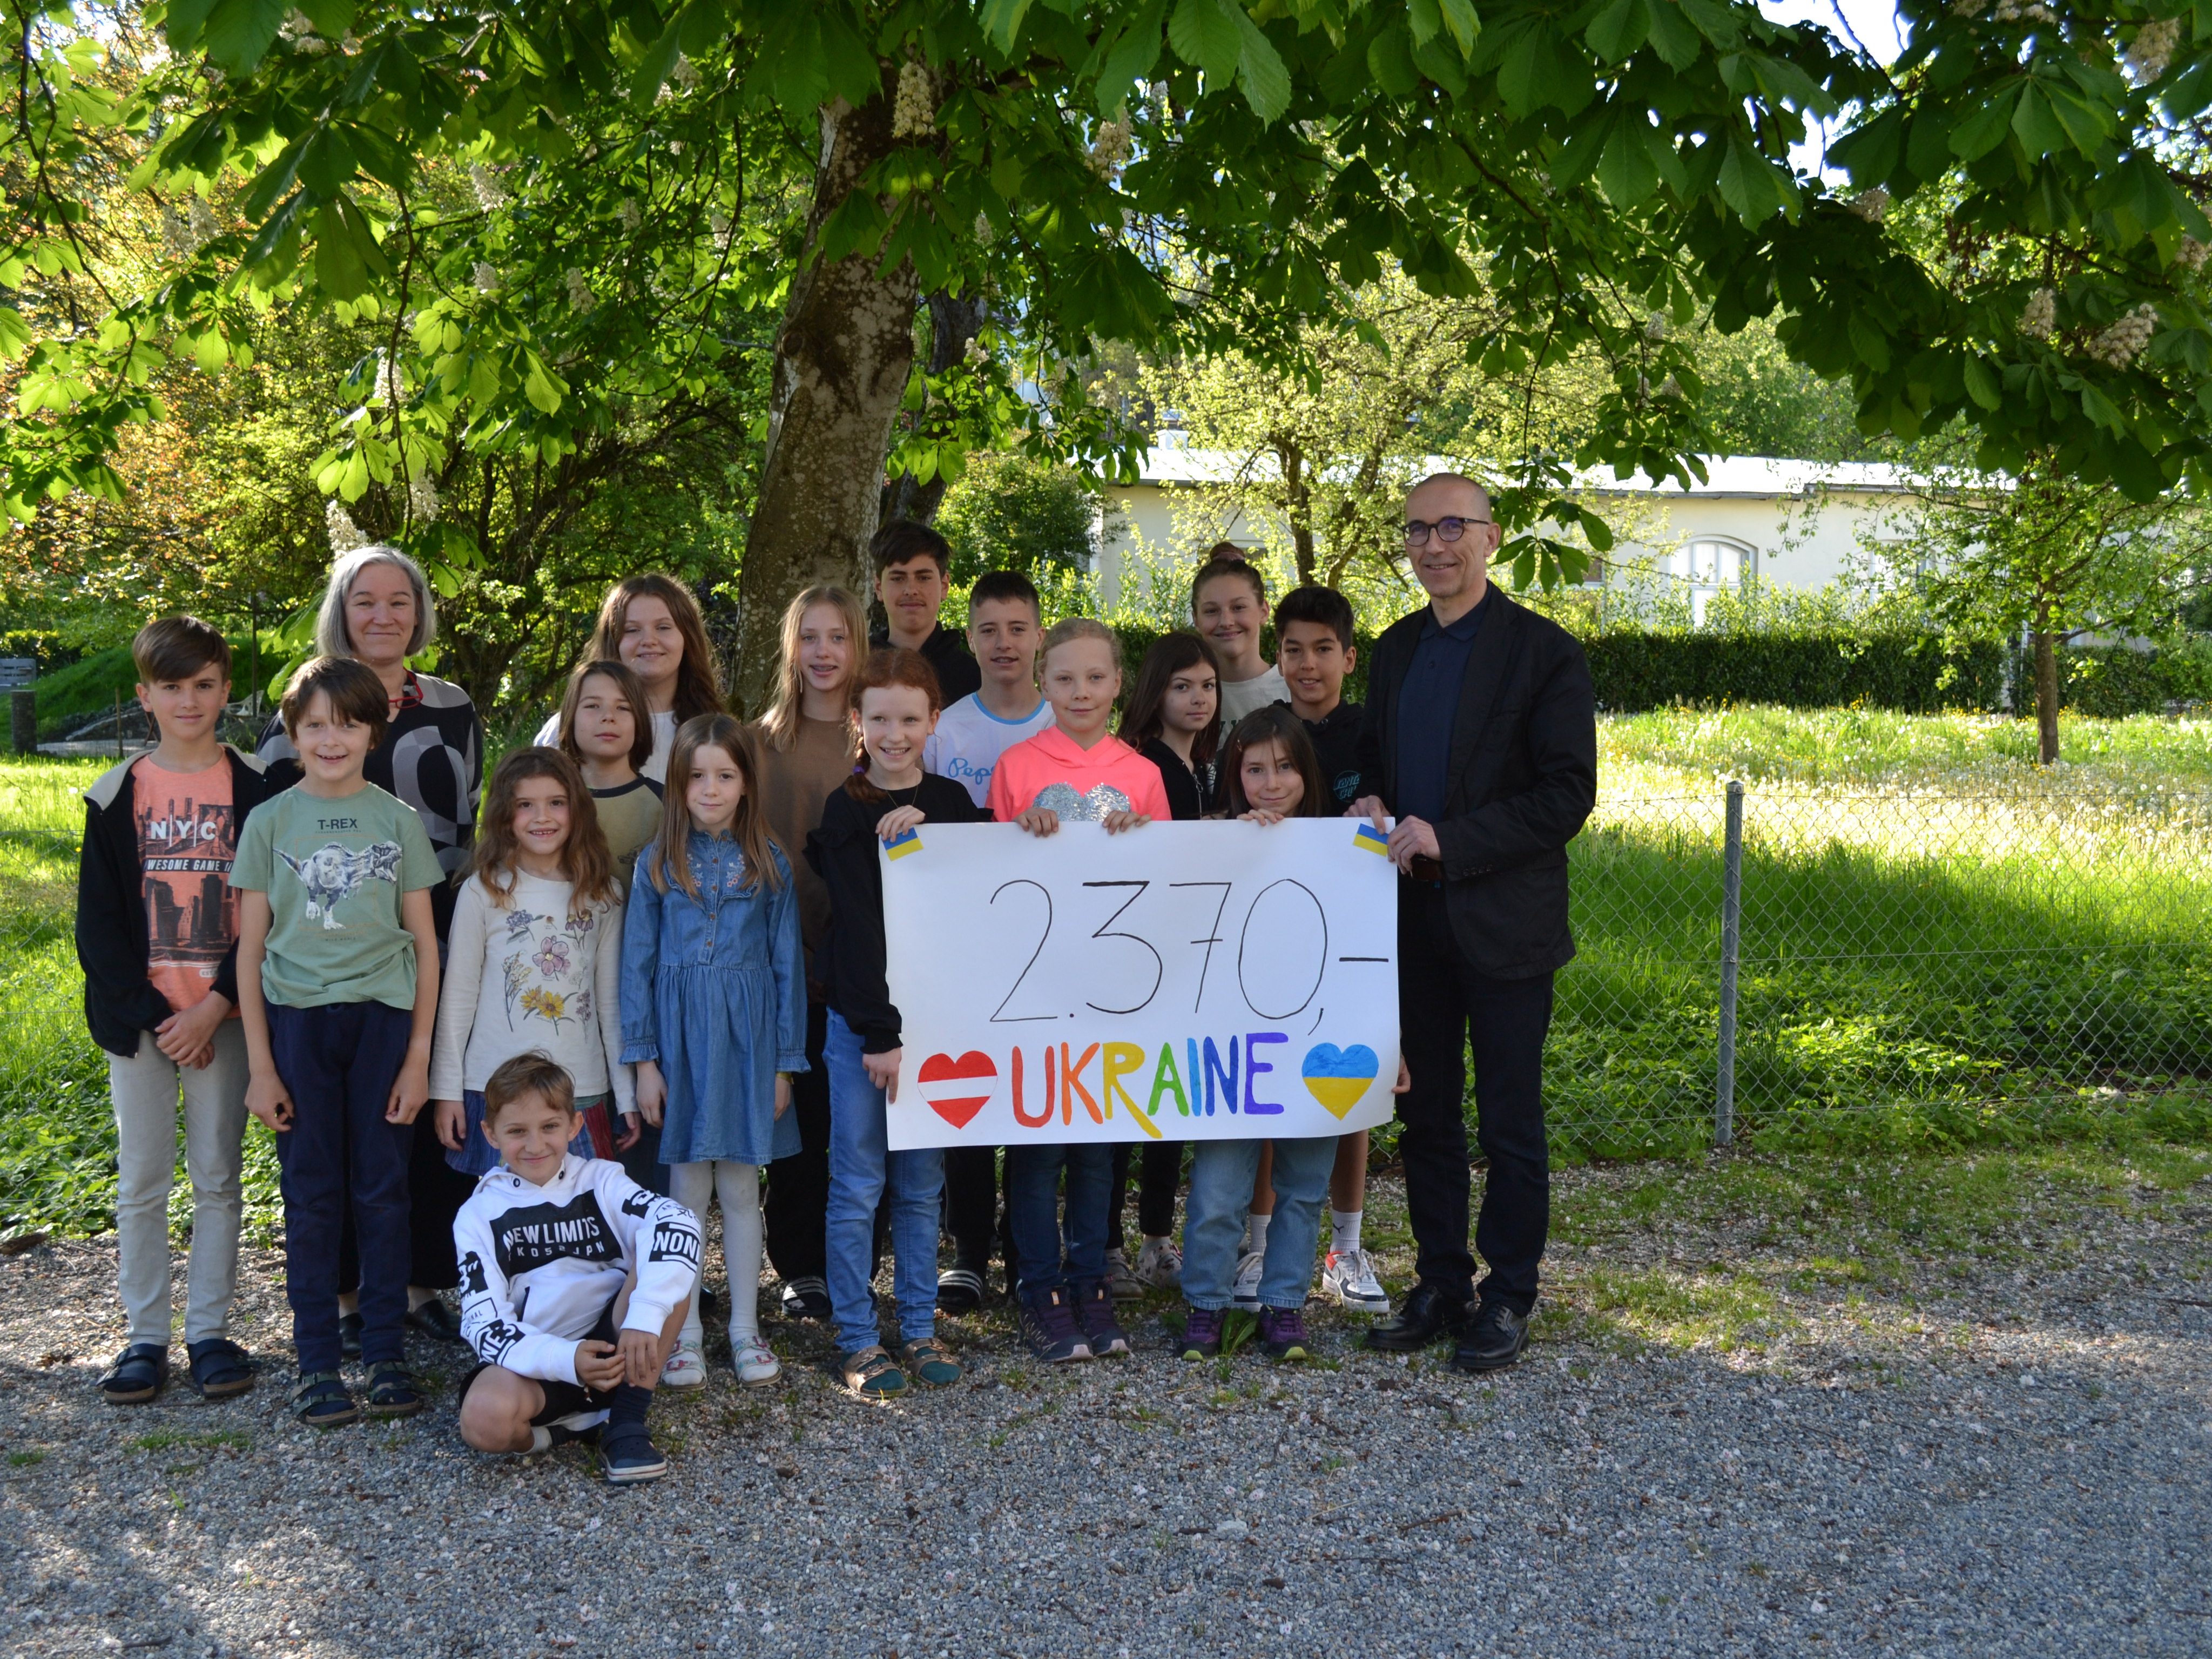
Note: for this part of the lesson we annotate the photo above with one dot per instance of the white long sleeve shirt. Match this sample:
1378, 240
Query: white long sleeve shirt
526, 978
539, 1264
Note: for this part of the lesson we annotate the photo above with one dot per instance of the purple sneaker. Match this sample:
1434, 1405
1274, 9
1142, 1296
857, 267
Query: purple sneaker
1048, 1327
1094, 1309
1201, 1332
1283, 1333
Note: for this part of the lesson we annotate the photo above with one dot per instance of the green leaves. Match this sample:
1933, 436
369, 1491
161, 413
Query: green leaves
239, 33
1205, 33
1218, 38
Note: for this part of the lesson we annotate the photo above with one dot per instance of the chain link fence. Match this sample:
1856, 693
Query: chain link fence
1763, 960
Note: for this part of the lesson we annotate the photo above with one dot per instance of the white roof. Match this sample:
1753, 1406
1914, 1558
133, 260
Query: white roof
1172, 461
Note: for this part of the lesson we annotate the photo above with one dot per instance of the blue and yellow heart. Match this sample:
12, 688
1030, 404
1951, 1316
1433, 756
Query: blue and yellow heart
1336, 1077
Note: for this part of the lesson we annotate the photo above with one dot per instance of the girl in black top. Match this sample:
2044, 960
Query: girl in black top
894, 707
1171, 719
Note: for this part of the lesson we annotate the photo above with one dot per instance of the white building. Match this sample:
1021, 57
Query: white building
1794, 524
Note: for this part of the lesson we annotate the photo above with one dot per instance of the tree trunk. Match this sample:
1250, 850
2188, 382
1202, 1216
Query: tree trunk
1300, 500
954, 320
2047, 696
842, 355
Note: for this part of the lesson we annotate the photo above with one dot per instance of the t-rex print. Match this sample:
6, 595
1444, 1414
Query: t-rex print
331, 874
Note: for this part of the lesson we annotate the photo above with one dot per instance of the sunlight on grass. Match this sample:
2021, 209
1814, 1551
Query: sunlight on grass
1683, 1311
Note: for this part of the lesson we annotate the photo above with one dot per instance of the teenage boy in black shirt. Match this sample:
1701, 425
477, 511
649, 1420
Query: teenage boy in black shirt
914, 566
1314, 652
1314, 649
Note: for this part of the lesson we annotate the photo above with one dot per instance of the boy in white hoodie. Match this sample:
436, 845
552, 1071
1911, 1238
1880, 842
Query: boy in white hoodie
574, 1283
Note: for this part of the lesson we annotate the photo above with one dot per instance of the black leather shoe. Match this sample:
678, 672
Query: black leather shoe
434, 1319
349, 1329
1431, 1313
1493, 1341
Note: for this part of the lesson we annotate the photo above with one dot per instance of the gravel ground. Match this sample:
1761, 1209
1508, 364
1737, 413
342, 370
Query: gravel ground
2006, 1454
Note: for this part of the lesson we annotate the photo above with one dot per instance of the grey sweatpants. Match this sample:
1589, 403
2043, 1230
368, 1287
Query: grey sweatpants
144, 1088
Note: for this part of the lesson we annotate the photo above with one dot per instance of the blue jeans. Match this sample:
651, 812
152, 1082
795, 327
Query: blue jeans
1221, 1174
340, 1159
860, 1168
1042, 1260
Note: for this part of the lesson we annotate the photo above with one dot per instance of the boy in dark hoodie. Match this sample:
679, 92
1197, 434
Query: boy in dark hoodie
157, 938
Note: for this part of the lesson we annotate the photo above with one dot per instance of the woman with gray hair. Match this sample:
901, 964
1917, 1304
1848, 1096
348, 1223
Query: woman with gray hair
377, 611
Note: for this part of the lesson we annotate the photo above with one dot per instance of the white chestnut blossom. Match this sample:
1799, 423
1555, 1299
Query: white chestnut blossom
346, 535
913, 110
2148, 53
2038, 319
485, 277
1871, 205
490, 197
580, 297
2122, 343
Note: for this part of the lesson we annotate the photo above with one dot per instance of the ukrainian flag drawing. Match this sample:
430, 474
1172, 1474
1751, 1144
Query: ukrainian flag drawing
1365, 837
899, 846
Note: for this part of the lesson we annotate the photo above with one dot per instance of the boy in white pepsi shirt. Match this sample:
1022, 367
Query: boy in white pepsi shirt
1005, 629
574, 1284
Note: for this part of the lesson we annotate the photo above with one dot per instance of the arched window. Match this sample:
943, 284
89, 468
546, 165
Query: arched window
1706, 564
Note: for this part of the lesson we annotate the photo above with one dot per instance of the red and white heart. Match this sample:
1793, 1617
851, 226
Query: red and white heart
951, 1085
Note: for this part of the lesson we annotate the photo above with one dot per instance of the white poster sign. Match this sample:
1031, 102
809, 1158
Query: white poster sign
1180, 981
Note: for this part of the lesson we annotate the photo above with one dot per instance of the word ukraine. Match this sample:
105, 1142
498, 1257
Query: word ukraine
1181, 981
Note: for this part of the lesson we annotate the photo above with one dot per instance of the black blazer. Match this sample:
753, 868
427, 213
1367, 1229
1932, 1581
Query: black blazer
120, 1002
1522, 778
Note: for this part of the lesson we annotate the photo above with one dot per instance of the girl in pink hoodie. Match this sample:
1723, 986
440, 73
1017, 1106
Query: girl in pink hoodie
1078, 770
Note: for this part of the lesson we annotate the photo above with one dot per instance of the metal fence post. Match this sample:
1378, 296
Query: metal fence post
1731, 927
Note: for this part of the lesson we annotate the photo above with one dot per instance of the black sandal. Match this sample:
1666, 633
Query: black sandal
139, 1374
392, 1391
219, 1368
322, 1401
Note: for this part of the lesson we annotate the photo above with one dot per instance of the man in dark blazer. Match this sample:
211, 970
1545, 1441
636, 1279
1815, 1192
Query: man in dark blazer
1481, 738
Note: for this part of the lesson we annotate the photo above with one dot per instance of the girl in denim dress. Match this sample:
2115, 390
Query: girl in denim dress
713, 1006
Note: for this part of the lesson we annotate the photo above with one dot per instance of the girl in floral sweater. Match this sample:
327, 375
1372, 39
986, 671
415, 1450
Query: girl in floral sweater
535, 960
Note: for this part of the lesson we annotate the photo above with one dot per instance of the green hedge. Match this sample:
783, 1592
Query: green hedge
2110, 682
1911, 673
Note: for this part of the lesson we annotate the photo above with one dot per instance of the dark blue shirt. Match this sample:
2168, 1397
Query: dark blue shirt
1428, 706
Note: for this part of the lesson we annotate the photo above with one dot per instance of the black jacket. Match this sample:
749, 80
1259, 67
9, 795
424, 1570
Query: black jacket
1190, 792
944, 651
842, 850
120, 1002
1336, 739
1522, 781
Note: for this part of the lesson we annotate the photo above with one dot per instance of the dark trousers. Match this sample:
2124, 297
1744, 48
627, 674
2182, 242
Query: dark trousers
341, 1158
1159, 1172
1445, 1010
972, 1214
794, 1215
435, 1191
1046, 1254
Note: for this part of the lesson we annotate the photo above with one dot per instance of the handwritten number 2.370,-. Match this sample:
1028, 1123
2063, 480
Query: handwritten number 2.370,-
1206, 941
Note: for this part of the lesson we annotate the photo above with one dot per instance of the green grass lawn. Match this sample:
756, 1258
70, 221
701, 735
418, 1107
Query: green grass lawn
1941, 946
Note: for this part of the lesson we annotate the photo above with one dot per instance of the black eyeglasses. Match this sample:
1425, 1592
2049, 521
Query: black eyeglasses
1448, 530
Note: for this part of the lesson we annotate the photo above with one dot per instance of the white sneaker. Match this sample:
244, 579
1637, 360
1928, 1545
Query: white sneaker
756, 1366
684, 1370
1245, 1291
1159, 1265
1349, 1276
